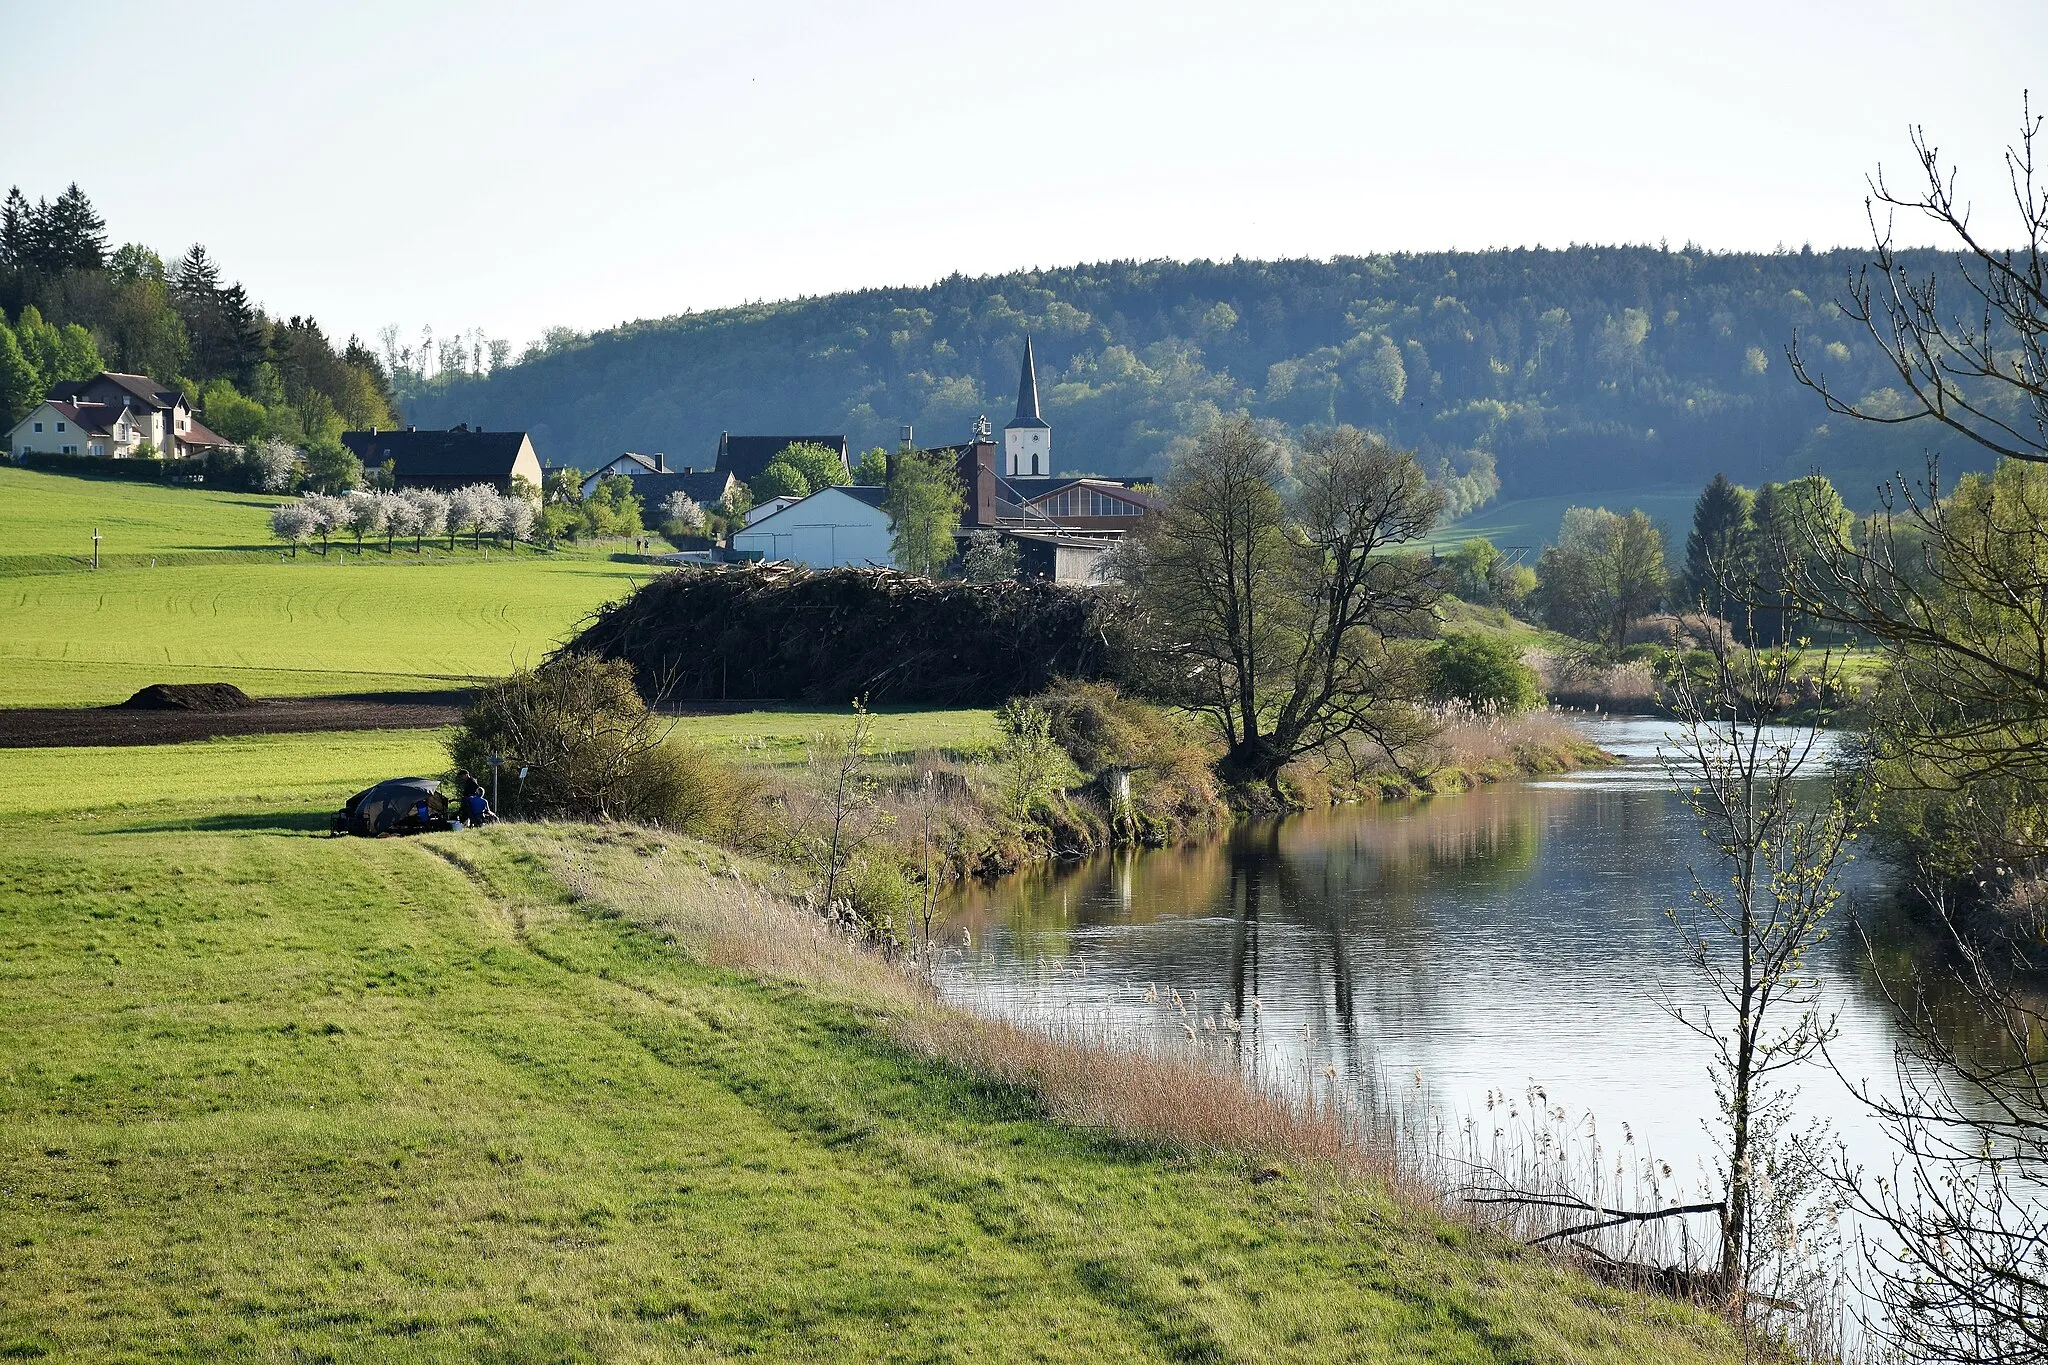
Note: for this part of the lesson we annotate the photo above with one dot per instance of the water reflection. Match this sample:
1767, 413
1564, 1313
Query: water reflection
1516, 934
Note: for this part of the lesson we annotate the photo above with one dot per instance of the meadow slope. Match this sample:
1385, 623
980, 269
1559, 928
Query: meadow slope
268, 1095
214, 608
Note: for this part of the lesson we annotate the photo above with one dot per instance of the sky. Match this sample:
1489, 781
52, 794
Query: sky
511, 166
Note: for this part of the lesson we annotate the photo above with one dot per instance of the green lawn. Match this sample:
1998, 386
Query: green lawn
1533, 522
266, 1095
45, 516
209, 611
258, 777
780, 736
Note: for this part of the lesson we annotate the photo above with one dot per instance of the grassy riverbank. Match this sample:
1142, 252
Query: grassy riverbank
573, 1093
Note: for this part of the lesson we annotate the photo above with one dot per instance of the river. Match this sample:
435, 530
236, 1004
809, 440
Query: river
1512, 937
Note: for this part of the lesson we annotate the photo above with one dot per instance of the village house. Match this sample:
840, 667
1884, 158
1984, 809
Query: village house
1062, 527
655, 481
830, 529
744, 457
455, 458
113, 416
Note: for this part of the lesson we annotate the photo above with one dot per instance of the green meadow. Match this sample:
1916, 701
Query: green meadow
1533, 522
47, 521
213, 610
268, 1095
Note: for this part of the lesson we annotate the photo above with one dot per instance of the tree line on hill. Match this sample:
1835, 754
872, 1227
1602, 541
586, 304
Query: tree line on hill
70, 306
1513, 371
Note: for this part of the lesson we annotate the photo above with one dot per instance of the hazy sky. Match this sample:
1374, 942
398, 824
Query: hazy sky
510, 166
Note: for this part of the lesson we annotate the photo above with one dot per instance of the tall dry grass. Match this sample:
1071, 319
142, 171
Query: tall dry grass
1476, 739
1580, 684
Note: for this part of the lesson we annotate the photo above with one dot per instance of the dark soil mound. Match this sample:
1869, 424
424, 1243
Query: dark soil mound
189, 697
788, 634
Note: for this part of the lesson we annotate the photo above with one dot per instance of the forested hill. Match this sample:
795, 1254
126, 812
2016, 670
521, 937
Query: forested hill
1591, 369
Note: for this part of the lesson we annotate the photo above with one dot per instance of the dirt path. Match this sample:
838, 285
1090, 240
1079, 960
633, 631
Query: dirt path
113, 725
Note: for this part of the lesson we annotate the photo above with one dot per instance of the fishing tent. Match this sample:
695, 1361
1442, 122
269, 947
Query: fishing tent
392, 807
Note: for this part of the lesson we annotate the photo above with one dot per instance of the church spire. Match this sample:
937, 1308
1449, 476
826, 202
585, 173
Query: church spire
1027, 388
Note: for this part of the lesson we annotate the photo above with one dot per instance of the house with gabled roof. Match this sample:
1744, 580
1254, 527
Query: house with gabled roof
456, 458
655, 480
113, 416
831, 529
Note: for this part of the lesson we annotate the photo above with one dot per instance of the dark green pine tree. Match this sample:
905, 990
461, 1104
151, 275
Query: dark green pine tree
17, 221
196, 276
74, 235
243, 347
1720, 553
195, 291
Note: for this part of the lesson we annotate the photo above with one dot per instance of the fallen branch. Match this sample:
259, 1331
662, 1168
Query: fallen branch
1610, 1218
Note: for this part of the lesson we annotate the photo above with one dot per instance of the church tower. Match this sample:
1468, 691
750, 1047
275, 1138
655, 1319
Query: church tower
1027, 440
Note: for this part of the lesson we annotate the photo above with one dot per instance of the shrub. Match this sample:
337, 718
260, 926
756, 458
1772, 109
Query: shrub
1028, 759
1100, 728
1179, 799
875, 891
1485, 671
594, 750
1688, 631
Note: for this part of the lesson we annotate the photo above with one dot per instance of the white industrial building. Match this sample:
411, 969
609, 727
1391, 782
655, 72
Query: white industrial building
831, 529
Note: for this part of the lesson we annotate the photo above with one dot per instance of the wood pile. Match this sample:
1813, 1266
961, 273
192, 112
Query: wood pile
782, 633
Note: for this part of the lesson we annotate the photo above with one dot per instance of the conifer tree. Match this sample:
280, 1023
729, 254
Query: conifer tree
17, 217
74, 234
1720, 552
196, 277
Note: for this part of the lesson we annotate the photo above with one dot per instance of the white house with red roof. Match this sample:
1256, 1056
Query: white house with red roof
112, 416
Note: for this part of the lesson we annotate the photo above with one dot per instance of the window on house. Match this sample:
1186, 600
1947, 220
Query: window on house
70, 450
39, 426
60, 426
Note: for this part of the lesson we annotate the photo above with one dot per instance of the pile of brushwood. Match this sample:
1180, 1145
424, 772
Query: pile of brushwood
783, 633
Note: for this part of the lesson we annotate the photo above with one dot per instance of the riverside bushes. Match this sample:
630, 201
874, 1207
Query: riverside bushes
594, 751
1484, 671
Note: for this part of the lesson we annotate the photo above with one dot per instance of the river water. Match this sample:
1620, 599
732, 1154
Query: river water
1490, 942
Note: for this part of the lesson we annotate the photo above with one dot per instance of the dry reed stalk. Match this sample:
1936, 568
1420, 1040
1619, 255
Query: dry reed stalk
1089, 1077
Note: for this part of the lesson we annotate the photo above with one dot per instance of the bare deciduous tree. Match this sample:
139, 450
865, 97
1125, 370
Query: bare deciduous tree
1982, 369
1287, 616
1749, 938
1962, 1275
1955, 589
